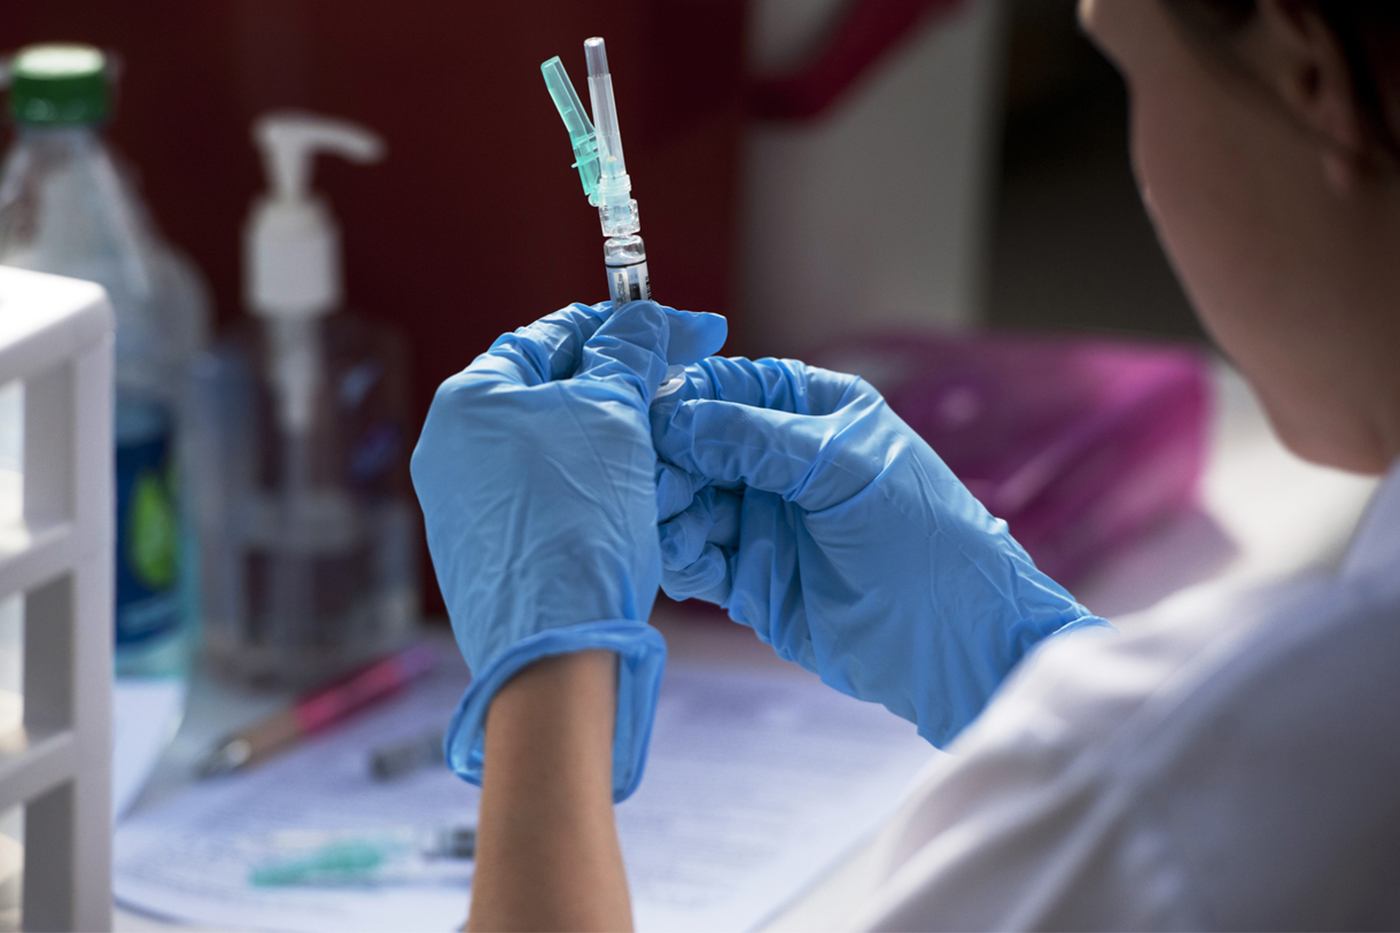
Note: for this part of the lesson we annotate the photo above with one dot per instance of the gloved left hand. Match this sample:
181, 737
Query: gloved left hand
796, 499
535, 472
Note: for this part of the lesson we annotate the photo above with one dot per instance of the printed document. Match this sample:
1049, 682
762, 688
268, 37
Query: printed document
756, 782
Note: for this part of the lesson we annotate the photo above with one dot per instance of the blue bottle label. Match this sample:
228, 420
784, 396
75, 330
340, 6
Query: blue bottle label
148, 524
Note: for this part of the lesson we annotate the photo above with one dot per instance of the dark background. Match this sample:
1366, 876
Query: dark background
475, 223
1071, 247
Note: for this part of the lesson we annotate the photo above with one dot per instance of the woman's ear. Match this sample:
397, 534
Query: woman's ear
1297, 54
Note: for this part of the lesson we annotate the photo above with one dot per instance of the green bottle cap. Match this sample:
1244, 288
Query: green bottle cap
59, 84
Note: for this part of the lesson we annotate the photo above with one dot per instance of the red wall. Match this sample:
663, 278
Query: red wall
451, 240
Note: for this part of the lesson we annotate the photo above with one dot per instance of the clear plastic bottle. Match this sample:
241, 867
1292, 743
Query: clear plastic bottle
310, 536
303, 438
69, 207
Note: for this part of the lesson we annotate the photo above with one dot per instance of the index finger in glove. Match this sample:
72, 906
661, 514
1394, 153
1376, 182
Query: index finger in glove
675, 489
815, 461
634, 347
714, 517
779, 385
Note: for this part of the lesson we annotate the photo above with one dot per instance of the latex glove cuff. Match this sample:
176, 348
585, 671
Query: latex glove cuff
641, 660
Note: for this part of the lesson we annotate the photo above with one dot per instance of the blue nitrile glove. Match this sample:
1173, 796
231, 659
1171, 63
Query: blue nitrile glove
535, 471
796, 499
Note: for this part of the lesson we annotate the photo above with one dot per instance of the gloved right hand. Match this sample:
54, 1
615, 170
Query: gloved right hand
535, 473
796, 499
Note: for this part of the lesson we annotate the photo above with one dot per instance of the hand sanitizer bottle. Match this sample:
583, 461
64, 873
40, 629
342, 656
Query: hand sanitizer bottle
68, 206
303, 443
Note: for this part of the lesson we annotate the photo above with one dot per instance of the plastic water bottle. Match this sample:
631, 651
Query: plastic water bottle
67, 206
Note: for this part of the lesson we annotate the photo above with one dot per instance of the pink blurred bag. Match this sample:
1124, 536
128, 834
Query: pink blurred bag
1080, 444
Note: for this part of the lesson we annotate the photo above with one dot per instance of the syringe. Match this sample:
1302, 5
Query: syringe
603, 171
624, 254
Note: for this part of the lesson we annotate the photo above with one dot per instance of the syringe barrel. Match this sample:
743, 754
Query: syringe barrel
614, 184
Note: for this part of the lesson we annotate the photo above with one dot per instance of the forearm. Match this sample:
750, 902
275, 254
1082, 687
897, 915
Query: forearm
547, 850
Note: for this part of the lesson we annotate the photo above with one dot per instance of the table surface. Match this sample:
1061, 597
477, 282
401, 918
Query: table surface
1264, 514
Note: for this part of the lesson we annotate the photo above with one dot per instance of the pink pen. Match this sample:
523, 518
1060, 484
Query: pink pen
319, 709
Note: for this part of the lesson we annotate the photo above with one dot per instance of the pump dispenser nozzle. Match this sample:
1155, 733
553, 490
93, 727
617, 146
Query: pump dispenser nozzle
289, 140
292, 247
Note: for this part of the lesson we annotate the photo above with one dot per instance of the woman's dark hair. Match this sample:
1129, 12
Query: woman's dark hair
1367, 31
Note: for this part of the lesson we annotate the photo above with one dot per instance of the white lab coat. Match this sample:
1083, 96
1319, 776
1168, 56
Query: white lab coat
1232, 764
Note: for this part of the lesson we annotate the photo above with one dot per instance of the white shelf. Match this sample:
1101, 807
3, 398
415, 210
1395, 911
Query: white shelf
30, 559
46, 763
56, 551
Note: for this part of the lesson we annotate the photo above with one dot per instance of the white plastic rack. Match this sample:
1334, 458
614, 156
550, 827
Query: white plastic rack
56, 550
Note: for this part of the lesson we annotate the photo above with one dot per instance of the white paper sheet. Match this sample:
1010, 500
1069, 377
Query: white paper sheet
755, 783
145, 715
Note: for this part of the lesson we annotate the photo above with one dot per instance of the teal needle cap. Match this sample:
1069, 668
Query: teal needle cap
59, 85
341, 861
581, 133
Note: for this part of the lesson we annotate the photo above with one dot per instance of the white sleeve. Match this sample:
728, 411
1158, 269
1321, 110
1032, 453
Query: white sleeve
1233, 768
1027, 811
